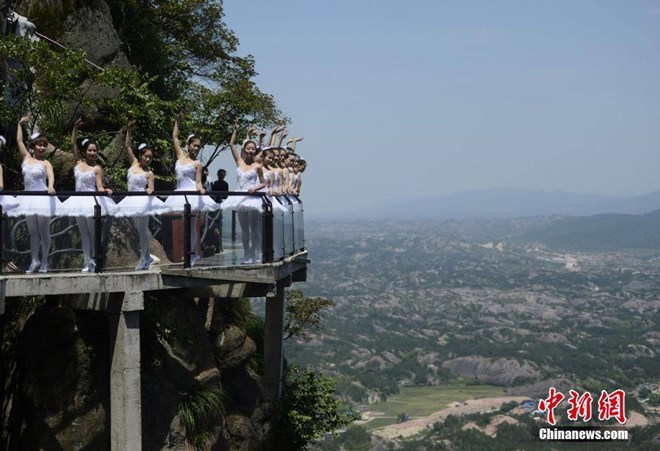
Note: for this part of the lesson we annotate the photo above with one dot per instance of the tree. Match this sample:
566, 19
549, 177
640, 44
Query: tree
191, 53
183, 57
304, 316
308, 409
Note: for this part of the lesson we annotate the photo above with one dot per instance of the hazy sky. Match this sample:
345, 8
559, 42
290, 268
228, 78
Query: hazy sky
432, 97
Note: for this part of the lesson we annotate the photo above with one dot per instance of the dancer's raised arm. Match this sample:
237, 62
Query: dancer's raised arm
74, 139
128, 143
19, 137
250, 133
262, 133
175, 137
273, 135
281, 137
232, 145
293, 141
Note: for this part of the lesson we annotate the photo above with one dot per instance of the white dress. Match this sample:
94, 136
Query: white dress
84, 205
8, 203
295, 179
186, 176
244, 181
140, 205
277, 206
35, 179
279, 198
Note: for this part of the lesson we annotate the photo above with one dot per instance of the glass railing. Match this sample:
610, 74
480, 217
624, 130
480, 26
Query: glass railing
240, 229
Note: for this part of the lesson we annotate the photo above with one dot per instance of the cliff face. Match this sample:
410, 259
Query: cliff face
198, 382
198, 363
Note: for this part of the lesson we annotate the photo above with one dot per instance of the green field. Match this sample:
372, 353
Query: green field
423, 401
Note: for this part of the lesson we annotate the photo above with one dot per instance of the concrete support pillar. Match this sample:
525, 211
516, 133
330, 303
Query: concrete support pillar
125, 395
274, 344
3, 283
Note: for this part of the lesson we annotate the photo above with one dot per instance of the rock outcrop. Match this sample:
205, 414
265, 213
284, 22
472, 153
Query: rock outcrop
503, 372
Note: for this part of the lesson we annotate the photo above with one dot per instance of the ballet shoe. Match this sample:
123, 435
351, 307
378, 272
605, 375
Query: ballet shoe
44, 267
194, 259
33, 266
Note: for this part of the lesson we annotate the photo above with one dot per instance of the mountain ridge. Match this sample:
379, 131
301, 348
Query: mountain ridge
501, 202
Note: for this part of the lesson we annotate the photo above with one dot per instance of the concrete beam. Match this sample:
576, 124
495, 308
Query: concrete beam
125, 384
232, 290
274, 344
80, 283
106, 302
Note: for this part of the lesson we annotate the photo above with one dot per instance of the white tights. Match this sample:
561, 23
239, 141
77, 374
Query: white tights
142, 225
86, 226
39, 229
250, 231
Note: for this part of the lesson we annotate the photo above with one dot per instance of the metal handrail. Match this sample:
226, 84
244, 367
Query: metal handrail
267, 217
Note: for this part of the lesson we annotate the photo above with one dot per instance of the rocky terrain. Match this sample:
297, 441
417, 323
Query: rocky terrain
426, 302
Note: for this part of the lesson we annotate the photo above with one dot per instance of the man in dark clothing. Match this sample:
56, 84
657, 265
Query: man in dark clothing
220, 185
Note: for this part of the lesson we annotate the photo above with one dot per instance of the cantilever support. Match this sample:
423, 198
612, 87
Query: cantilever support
125, 384
274, 344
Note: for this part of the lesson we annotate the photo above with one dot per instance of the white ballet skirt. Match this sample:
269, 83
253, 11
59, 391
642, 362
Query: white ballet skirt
186, 176
84, 205
8, 203
294, 182
140, 205
35, 179
277, 206
244, 181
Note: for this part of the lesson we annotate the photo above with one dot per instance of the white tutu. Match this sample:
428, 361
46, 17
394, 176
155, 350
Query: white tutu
8, 203
245, 180
197, 203
185, 181
277, 205
146, 205
36, 205
243, 203
84, 205
141, 206
34, 178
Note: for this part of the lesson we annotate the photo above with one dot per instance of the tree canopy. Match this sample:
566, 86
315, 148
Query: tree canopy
183, 58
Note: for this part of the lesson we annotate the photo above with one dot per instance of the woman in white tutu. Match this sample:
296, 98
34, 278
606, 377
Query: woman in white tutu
301, 165
37, 176
140, 178
189, 178
249, 176
279, 210
89, 178
7, 202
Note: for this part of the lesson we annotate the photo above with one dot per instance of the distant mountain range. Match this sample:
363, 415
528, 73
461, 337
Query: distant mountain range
504, 203
606, 232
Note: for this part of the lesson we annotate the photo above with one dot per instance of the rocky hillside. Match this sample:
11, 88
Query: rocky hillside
198, 383
416, 305
199, 364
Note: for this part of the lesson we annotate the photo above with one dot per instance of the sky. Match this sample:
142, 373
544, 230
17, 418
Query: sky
400, 100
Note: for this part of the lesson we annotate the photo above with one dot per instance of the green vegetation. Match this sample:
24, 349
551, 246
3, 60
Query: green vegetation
304, 316
308, 409
183, 56
423, 401
200, 410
